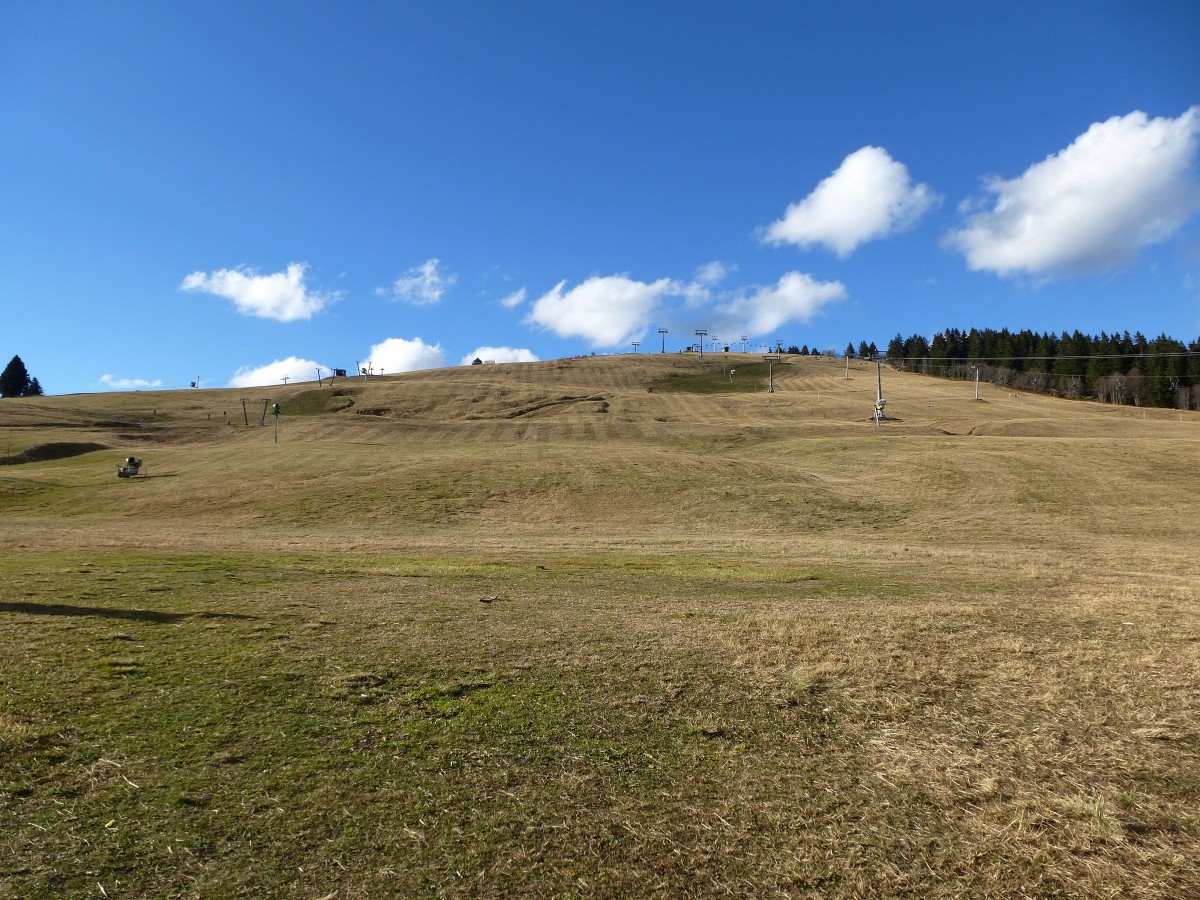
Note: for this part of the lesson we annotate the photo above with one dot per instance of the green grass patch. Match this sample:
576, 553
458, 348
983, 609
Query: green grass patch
181, 724
313, 403
747, 378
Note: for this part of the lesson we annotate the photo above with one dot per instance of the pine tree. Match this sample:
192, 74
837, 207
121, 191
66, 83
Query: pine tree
14, 380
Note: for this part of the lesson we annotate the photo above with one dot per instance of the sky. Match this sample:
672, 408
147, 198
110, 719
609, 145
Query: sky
235, 193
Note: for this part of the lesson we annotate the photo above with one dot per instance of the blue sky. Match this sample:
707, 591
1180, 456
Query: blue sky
237, 192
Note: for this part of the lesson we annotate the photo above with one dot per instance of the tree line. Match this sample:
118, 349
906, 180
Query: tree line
1111, 368
16, 382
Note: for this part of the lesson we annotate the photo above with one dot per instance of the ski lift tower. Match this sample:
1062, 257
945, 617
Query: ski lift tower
770, 360
701, 333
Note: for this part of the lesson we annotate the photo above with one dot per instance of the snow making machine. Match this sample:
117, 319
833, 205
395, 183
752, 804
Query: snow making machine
129, 468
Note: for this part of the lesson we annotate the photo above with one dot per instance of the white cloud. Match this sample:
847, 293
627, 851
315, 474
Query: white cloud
607, 311
713, 272
698, 292
796, 297
281, 296
293, 369
869, 196
128, 384
421, 286
1121, 185
513, 300
499, 354
400, 355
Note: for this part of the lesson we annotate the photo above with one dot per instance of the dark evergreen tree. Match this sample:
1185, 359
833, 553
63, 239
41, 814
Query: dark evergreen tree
14, 380
939, 354
1045, 349
916, 349
1102, 364
1167, 369
974, 346
34, 389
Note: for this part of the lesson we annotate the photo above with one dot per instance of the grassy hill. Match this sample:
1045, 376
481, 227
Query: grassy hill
599, 627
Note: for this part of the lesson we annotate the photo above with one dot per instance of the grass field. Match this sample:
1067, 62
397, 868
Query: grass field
611, 626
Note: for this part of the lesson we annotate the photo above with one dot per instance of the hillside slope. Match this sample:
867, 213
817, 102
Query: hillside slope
634, 451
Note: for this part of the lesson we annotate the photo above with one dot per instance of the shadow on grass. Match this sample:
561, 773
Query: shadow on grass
140, 615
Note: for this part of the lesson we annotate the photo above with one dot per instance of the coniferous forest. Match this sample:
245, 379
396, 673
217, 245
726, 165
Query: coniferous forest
1110, 368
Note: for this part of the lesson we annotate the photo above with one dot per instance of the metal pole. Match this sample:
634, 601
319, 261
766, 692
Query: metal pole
663, 332
977, 382
770, 361
878, 389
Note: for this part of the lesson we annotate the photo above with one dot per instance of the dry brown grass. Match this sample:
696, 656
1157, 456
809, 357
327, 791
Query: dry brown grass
740, 644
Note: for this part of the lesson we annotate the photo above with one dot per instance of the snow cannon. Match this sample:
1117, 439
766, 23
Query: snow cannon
129, 468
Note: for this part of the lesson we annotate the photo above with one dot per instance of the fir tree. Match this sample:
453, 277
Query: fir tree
15, 380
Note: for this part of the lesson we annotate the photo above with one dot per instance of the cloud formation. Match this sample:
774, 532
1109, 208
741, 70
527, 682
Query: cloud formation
796, 297
606, 311
513, 300
400, 355
128, 384
1123, 184
293, 369
612, 311
713, 272
421, 285
282, 296
499, 355
869, 196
